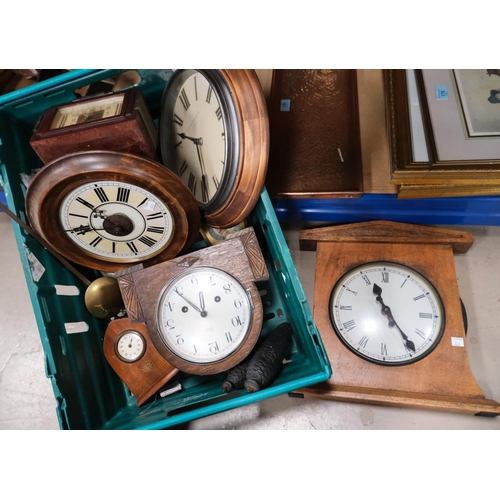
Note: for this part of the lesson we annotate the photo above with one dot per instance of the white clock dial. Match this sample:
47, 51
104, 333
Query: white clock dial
130, 346
197, 120
387, 313
204, 315
116, 221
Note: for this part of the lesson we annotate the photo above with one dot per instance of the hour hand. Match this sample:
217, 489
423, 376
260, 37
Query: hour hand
386, 310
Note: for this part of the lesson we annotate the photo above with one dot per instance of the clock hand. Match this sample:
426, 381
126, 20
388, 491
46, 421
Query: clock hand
202, 302
204, 185
386, 310
194, 139
196, 308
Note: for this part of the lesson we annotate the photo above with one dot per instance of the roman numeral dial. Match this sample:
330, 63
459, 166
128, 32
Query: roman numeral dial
387, 313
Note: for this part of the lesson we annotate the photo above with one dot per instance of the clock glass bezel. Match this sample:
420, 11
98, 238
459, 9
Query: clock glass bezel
143, 349
246, 307
422, 350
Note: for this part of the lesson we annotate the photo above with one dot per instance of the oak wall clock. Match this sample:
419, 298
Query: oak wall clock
107, 210
214, 134
203, 311
387, 305
118, 121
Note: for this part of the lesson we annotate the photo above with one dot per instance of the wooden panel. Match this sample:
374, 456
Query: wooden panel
315, 147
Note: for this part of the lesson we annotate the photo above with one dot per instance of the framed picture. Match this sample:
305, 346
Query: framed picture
443, 139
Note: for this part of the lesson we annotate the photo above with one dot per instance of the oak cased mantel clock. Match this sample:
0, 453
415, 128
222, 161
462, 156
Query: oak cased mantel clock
387, 305
214, 134
108, 211
203, 311
118, 121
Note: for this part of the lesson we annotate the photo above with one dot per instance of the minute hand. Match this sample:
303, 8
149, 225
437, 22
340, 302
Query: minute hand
386, 310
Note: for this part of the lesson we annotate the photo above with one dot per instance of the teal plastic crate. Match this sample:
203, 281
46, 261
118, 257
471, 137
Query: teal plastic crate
88, 393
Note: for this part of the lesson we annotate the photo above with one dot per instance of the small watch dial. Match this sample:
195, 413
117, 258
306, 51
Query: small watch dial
116, 221
387, 313
204, 315
130, 346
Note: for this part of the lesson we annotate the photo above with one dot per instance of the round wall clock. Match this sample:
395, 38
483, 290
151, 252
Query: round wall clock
107, 210
387, 313
214, 133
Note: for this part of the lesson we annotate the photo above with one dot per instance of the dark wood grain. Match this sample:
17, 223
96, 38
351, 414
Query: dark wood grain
53, 182
254, 143
129, 132
230, 256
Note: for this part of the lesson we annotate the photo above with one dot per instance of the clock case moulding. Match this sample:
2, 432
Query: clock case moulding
442, 380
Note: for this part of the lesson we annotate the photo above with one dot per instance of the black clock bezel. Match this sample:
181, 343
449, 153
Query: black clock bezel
231, 126
365, 357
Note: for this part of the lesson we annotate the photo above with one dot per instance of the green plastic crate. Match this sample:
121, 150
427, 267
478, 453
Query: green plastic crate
89, 395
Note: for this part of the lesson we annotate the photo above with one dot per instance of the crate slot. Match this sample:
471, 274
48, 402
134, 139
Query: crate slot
63, 345
22, 104
53, 93
76, 327
45, 309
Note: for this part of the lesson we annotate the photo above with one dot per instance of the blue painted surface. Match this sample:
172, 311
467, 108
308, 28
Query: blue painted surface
476, 211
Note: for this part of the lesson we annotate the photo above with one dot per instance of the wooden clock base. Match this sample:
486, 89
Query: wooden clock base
442, 380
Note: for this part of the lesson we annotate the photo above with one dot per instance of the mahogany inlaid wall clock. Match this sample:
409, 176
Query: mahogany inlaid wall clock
214, 134
387, 305
203, 310
107, 210
130, 352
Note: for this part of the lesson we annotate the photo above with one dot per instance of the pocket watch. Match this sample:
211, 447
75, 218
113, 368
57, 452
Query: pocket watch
387, 313
214, 134
203, 310
106, 210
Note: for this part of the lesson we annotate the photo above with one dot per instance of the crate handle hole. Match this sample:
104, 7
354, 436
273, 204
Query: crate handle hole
269, 316
280, 313
263, 292
277, 263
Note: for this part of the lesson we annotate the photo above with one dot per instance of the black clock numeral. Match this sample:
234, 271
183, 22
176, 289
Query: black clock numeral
157, 215
228, 337
364, 340
218, 113
420, 333
142, 202
213, 347
132, 247
179, 340
184, 99
113, 248
122, 195
367, 280
216, 182
383, 349
170, 324
86, 203
350, 325
349, 290
192, 183
209, 94
78, 215
419, 297
147, 240
346, 308
227, 288
96, 241
385, 277
223, 134
155, 229
101, 194
171, 306
82, 230
237, 303
425, 315
177, 145
195, 89
236, 321
183, 168
178, 120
